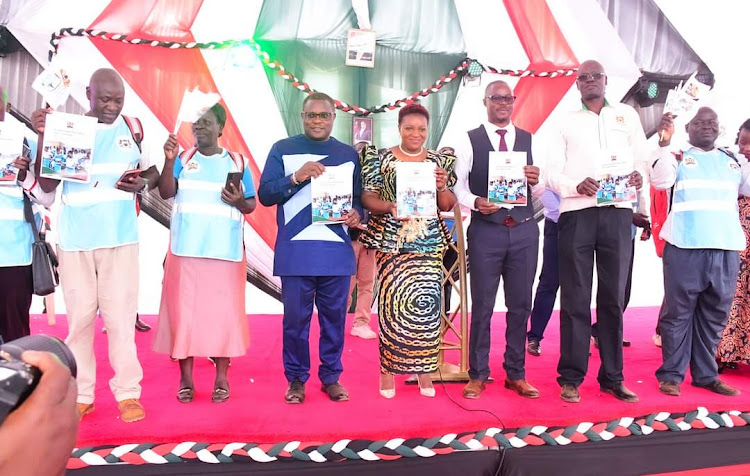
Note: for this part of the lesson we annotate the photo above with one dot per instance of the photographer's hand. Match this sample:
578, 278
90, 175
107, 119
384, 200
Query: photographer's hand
45, 424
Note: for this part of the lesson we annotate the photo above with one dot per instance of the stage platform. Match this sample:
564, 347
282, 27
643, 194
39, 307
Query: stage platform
256, 425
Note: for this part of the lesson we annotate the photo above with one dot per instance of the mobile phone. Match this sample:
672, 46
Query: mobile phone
129, 175
235, 178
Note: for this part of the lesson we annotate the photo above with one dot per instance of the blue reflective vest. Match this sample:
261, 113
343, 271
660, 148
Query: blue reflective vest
704, 211
203, 226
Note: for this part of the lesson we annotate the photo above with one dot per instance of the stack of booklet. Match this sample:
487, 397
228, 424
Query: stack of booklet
11, 147
68, 146
416, 195
613, 171
507, 186
332, 194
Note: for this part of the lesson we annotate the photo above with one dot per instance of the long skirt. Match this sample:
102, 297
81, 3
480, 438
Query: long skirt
734, 346
409, 311
202, 312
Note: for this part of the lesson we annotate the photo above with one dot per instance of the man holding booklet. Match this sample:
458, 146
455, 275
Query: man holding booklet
315, 261
598, 147
494, 164
98, 240
701, 258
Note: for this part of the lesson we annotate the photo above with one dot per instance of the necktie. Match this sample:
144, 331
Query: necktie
503, 145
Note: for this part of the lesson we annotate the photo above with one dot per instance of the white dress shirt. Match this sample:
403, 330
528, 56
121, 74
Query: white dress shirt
583, 136
465, 160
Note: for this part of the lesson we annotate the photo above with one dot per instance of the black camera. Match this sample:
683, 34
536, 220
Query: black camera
17, 378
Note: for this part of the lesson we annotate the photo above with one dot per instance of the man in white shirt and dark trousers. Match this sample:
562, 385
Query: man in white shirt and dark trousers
597, 131
701, 257
501, 243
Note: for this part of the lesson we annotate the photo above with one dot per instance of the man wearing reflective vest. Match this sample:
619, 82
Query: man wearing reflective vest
701, 256
98, 249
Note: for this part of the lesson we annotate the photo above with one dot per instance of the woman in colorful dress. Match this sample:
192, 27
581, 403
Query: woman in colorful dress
409, 255
202, 312
734, 347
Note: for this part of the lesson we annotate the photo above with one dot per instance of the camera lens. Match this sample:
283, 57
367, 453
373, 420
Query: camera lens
42, 343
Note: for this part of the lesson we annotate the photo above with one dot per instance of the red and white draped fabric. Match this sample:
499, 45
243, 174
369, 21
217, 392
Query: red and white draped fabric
513, 34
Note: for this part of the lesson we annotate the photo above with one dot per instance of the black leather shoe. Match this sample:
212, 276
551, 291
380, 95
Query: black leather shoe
621, 392
141, 326
534, 348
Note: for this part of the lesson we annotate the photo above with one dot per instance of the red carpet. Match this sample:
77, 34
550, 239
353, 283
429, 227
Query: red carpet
256, 411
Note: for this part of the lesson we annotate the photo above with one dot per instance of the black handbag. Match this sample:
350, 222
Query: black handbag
43, 259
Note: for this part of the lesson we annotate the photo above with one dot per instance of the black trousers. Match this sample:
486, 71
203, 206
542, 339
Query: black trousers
628, 285
497, 251
601, 235
16, 290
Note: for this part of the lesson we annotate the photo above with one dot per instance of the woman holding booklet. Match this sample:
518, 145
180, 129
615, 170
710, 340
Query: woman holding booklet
205, 265
410, 244
16, 238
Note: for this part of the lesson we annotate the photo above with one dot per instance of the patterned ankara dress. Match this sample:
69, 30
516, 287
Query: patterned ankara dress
734, 346
409, 261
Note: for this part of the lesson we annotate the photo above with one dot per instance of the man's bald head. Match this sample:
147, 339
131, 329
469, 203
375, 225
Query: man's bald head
498, 99
703, 129
589, 65
591, 80
106, 95
500, 84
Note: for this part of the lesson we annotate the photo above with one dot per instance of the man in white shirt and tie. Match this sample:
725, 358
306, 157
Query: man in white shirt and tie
502, 242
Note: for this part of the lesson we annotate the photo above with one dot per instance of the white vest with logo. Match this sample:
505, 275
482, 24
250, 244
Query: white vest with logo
203, 226
704, 211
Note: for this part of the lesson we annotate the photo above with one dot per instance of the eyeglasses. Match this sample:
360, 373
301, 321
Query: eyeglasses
498, 99
310, 116
582, 78
710, 123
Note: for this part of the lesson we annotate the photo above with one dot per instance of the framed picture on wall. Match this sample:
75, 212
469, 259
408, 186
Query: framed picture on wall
362, 130
360, 48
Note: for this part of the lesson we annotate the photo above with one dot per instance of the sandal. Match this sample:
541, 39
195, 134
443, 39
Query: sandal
185, 394
220, 395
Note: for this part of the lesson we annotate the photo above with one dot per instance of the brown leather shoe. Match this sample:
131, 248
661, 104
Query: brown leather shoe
670, 388
522, 387
295, 393
84, 409
336, 392
474, 389
720, 387
131, 410
569, 393
621, 392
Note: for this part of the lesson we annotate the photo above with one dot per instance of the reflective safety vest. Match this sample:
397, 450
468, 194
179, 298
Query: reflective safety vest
704, 212
203, 226
16, 236
97, 215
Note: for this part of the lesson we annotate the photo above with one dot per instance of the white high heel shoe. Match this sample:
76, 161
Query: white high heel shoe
425, 391
389, 392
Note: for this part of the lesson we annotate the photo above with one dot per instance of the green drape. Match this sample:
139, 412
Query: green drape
418, 42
